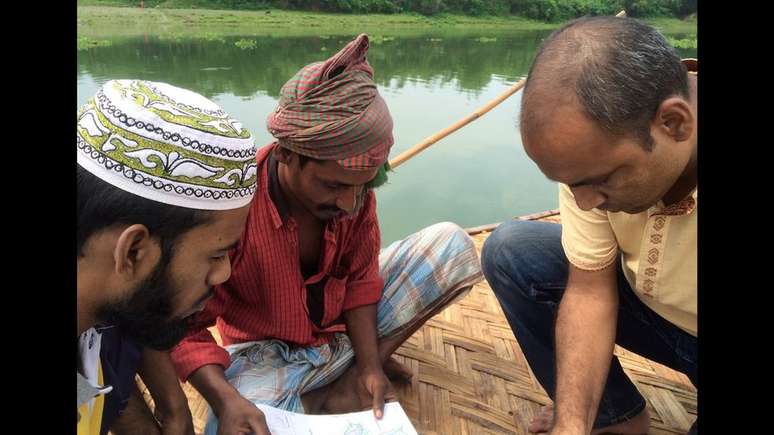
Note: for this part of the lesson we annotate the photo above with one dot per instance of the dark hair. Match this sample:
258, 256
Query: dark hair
621, 71
102, 205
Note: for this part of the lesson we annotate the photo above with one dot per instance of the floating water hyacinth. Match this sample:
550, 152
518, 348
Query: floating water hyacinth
246, 44
689, 42
84, 43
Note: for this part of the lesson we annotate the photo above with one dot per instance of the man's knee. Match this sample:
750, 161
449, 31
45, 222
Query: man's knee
453, 235
517, 253
509, 245
452, 252
449, 242
461, 247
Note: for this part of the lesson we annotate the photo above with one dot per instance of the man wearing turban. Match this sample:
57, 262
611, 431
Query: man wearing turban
310, 293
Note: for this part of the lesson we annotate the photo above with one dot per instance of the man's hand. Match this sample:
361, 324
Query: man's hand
374, 389
159, 376
236, 415
240, 417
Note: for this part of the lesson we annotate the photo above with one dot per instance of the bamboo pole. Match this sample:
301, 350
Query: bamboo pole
416, 149
421, 146
530, 217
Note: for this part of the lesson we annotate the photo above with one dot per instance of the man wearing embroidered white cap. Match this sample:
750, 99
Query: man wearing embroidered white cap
165, 179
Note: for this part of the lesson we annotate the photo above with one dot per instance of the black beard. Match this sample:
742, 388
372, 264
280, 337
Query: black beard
145, 317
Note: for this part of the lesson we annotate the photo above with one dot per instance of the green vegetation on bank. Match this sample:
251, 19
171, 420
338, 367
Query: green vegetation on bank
544, 10
100, 22
683, 43
104, 22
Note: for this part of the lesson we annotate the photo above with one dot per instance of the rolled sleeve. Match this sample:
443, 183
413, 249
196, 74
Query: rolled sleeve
197, 351
199, 347
363, 292
587, 236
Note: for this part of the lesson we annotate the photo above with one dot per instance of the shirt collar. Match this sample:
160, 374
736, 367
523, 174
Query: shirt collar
685, 206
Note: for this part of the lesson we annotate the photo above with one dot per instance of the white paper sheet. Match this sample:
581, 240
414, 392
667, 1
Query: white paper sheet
393, 422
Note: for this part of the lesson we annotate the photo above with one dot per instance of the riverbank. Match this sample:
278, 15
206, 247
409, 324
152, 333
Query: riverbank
104, 21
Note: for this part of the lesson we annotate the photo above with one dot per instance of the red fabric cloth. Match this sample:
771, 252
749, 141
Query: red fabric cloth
266, 294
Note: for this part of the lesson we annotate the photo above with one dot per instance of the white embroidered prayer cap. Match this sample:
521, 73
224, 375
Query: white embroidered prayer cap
167, 144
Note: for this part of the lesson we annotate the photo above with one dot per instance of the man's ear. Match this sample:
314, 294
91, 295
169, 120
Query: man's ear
135, 253
675, 119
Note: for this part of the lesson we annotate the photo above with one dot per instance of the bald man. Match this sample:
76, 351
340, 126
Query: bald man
609, 112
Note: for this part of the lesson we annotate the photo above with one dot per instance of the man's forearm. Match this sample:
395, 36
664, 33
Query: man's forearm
361, 328
158, 374
585, 336
210, 381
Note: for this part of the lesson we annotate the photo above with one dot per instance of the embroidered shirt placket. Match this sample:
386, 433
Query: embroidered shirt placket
652, 254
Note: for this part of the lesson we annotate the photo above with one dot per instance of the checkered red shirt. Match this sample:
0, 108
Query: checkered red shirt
266, 294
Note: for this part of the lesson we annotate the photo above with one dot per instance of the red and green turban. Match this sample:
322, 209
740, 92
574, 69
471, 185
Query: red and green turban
332, 110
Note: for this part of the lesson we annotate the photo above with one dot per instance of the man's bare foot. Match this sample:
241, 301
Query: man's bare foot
637, 425
396, 371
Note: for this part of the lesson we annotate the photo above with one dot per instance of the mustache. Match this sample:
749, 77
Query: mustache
329, 208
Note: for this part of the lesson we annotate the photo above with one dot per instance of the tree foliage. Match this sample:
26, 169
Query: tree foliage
544, 10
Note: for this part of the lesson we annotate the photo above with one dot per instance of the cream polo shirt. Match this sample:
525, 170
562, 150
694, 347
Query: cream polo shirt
657, 247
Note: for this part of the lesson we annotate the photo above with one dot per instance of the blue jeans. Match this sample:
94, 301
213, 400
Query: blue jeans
525, 265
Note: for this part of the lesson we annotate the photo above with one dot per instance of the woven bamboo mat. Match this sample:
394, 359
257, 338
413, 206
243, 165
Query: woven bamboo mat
470, 376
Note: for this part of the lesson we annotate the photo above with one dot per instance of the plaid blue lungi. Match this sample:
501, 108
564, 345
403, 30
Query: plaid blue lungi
435, 265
